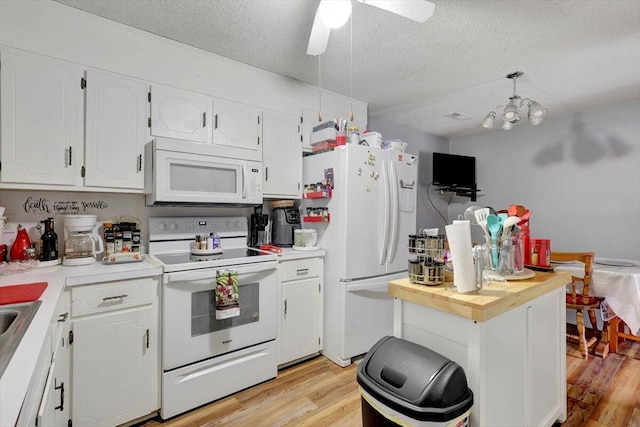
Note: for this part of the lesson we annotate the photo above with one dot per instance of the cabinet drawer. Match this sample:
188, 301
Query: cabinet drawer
300, 269
111, 296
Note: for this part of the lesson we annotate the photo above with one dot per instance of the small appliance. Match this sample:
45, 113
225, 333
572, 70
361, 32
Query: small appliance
82, 243
284, 221
258, 233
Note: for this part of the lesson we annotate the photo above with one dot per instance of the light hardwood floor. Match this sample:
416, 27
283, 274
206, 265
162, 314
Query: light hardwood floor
319, 393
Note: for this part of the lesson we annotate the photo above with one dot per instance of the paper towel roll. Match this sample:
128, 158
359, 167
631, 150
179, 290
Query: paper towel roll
459, 237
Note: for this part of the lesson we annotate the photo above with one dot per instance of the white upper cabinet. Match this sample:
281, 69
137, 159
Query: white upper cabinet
117, 110
282, 155
42, 119
180, 114
236, 125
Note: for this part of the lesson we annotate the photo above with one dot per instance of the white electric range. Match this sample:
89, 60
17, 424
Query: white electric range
203, 358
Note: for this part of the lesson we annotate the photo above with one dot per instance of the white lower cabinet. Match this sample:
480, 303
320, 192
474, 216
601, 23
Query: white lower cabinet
515, 363
301, 309
115, 352
47, 402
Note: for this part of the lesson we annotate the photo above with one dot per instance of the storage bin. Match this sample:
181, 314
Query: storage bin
403, 383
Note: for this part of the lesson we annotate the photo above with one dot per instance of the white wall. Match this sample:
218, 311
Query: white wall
423, 145
579, 175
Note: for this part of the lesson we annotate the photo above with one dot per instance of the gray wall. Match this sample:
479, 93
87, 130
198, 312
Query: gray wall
579, 175
423, 145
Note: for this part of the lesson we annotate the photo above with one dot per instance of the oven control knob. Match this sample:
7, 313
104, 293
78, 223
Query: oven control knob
173, 226
237, 224
161, 226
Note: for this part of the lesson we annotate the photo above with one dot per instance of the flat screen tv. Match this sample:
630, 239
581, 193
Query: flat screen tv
454, 171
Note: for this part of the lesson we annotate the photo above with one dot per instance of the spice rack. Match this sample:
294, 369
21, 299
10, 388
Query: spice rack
317, 218
324, 194
317, 191
427, 265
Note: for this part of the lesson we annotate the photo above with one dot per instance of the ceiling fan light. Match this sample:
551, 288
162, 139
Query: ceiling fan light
334, 13
535, 121
537, 110
489, 121
510, 112
507, 125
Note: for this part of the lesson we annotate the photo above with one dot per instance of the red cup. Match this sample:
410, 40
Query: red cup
341, 139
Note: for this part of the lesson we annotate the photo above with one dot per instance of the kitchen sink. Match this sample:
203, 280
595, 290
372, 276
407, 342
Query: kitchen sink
14, 321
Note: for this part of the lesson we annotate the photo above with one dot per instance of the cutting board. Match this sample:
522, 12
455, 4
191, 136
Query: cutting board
21, 293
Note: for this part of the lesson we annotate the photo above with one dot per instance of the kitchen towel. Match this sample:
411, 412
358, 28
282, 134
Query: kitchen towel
227, 302
27, 292
459, 237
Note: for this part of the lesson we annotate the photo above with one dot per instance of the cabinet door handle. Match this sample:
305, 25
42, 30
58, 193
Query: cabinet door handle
61, 388
69, 158
147, 338
266, 173
285, 309
63, 317
115, 297
302, 271
204, 120
215, 121
139, 162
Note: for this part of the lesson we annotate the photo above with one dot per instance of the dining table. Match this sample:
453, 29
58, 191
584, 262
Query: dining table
618, 282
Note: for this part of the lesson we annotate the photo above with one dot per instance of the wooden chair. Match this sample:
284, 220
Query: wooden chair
580, 300
617, 331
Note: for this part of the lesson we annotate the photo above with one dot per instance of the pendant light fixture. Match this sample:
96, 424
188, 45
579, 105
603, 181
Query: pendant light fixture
511, 113
320, 88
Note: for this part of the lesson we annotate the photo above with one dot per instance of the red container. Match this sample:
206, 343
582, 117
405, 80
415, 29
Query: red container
540, 252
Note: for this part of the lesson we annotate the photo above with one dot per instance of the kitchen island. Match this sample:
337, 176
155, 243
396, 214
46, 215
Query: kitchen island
509, 338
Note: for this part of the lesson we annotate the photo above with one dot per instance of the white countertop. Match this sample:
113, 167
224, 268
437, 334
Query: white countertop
289, 254
15, 380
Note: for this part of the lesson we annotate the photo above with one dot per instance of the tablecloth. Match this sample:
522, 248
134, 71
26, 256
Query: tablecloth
619, 286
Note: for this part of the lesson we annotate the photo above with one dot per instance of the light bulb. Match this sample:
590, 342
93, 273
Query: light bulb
489, 121
507, 125
334, 13
536, 110
535, 121
510, 112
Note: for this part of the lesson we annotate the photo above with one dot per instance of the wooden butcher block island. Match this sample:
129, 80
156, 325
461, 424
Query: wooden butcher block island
509, 337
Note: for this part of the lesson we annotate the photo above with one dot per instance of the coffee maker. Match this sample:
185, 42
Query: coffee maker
258, 233
82, 242
284, 220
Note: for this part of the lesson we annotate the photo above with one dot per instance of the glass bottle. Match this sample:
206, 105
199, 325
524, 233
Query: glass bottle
49, 242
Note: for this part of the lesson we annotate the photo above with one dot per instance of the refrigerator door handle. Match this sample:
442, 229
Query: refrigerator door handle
385, 231
395, 211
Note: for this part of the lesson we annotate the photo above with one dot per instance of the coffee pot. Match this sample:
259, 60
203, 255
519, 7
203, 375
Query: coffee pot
82, 245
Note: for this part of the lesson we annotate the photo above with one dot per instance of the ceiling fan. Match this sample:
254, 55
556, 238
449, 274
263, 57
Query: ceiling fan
334, 14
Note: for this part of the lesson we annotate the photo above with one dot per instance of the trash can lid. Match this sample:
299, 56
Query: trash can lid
414, 380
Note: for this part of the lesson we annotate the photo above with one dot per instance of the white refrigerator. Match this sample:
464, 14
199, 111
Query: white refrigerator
372, 211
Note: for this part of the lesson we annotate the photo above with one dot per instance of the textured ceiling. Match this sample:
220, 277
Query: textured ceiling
576, 55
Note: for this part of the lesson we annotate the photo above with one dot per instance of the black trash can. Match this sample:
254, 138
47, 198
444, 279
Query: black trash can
403, 383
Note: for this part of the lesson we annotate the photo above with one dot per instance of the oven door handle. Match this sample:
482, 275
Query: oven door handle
210, 273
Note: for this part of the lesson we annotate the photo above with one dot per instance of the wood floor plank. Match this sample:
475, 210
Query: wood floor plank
634, 421
618, 403
319, 393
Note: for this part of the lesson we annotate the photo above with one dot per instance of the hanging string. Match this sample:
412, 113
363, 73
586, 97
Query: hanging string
320, 87
351, 68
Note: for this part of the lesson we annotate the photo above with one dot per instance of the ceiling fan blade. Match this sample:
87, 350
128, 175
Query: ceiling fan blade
417, 10
319, 37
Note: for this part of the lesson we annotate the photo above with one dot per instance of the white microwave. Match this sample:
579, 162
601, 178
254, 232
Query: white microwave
181, 172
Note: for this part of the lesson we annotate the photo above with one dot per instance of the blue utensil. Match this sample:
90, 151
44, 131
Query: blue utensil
494, 225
